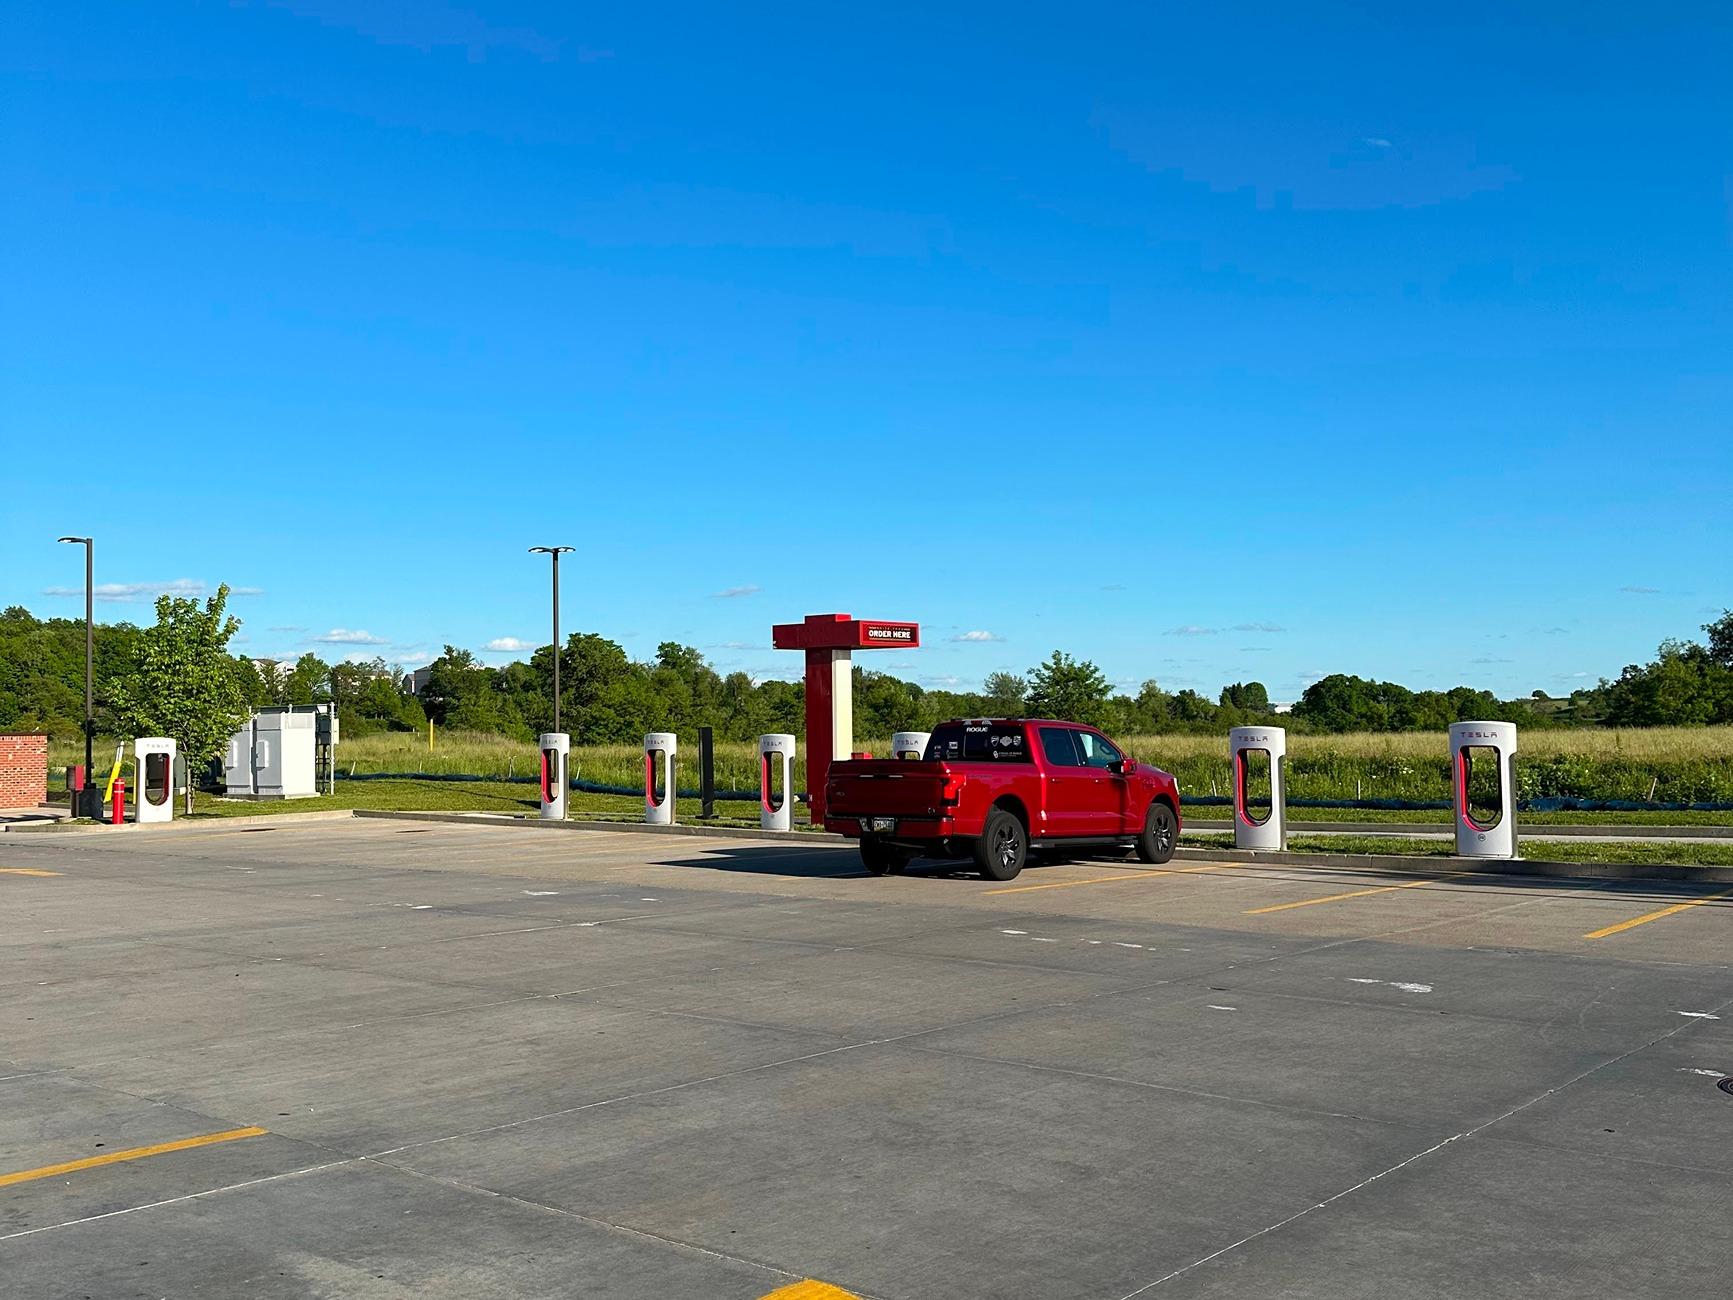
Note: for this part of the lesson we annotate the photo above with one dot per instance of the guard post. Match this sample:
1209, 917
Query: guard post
706, 772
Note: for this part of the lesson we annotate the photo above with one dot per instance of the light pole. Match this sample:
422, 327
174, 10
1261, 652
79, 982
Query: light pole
89, 544
556, 552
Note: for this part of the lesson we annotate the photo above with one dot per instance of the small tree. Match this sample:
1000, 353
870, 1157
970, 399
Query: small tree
1071, 689
184, 684
1006, 694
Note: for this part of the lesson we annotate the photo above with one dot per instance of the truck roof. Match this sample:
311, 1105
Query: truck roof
1012, 722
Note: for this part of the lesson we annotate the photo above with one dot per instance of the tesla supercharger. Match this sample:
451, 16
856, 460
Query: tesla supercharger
1483, 771
659, 750
556, 749
1253, 751
775, 783
910, 744
156, 778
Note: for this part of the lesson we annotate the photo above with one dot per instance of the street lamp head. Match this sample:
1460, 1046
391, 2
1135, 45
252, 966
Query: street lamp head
82, 541
550, 550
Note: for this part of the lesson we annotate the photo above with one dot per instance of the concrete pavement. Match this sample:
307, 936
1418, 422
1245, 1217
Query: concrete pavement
379, 1059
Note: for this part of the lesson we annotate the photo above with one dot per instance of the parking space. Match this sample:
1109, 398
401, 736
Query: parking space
377, 1058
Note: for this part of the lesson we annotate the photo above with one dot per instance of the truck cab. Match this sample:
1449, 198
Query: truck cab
994, 789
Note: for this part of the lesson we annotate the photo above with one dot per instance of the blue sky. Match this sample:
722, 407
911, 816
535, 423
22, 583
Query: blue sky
1210, 343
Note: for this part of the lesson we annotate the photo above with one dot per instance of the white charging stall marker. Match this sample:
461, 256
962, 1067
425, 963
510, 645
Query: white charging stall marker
659, 791
775, 782
1251, 831
556, 747
910, 744
1476, 747
155, 799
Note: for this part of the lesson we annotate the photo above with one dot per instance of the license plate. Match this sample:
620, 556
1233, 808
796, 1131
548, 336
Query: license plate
878, 823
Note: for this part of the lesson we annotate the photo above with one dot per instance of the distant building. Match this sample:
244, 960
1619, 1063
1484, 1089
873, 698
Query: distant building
416, 682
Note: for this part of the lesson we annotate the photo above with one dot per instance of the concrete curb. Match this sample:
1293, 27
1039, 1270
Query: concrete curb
178, 825
1526, 830
1382, 862
630, 828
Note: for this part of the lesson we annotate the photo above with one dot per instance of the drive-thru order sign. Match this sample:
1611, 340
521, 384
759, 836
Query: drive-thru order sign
830, 641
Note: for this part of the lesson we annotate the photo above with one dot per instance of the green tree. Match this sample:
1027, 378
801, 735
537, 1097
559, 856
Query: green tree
1721, 639
1253, 697
1069, 689
308, 682
185, 684
1006, 693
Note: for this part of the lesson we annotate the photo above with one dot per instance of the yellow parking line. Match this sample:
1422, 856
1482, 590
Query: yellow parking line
25, 871
136, 1153
810, 1290
1115, 879
1656, 916
1337, 898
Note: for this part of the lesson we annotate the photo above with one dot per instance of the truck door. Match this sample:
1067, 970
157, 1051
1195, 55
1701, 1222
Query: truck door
1106, 810
1068, 782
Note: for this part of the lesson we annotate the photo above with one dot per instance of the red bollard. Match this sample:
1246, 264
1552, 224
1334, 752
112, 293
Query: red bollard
117, 817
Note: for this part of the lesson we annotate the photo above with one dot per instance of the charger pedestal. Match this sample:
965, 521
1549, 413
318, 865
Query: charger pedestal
659, 750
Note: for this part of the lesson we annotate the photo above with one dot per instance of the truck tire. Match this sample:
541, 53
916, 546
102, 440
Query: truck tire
1159, 838
1003, 846
883, 859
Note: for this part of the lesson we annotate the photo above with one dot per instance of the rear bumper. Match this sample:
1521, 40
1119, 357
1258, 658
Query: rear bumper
907, 828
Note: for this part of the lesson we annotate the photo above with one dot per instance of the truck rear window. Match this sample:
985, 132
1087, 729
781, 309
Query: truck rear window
979, 742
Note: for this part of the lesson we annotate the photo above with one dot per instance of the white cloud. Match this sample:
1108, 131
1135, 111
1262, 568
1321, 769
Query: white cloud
977, 636
1641, 591
285, 628
734, 593
246, 591
1191, 629
1376, 141
131, 591
1258, 627
349, 636
946, 683
508, 643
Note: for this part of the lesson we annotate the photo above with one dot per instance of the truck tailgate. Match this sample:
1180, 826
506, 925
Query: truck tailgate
887, 788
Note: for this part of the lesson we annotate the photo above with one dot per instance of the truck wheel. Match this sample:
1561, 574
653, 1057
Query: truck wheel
883, 859
1003, 846
1159, 839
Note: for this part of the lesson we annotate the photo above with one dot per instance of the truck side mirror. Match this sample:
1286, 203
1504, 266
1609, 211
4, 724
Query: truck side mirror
1123, 766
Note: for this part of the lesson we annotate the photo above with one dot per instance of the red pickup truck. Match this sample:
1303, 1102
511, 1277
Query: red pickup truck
993, 789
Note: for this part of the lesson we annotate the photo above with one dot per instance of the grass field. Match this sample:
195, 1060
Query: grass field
1690, 853
517, 799
1666, 765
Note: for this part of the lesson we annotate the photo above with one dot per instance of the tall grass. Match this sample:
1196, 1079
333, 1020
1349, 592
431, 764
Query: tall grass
1666, 764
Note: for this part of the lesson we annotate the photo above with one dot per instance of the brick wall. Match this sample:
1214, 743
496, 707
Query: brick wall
23, 771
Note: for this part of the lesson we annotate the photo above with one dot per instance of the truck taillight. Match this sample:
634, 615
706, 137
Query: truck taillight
948, 796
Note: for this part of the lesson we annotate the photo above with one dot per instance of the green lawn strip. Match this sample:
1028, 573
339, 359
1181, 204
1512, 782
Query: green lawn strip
513, 798
1441, 816
1688, 853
